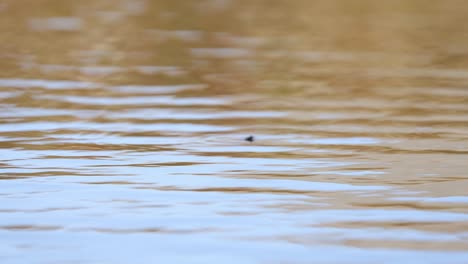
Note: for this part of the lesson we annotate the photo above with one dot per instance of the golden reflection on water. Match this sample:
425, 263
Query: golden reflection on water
129, 118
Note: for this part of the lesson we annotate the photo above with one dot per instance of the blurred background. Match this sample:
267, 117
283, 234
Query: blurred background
122, 130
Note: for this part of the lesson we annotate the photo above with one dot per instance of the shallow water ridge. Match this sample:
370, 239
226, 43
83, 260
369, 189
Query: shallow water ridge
123, 127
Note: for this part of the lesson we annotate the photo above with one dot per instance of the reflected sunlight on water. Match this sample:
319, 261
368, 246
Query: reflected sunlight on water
123, 126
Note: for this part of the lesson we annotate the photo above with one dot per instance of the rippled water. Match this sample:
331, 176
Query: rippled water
122, 130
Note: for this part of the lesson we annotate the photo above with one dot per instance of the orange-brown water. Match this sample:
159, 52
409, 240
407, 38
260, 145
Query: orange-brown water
122, 129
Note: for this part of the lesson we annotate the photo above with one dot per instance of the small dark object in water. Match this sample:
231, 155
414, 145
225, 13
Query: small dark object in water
249, 138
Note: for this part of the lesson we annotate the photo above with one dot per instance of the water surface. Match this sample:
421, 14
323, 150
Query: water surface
122, 130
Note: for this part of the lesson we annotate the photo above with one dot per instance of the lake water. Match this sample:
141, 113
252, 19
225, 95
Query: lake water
123, 126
